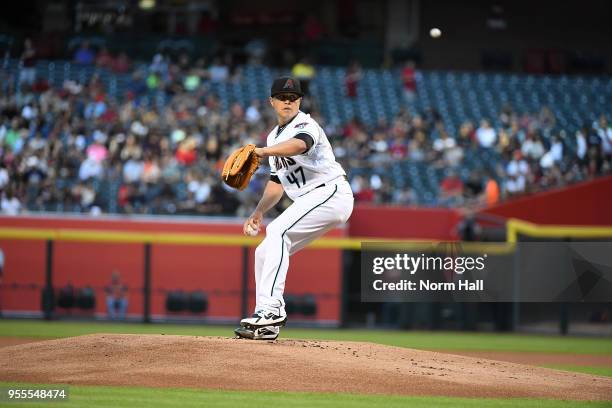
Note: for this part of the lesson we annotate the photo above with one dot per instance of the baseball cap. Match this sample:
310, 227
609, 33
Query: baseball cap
286, 85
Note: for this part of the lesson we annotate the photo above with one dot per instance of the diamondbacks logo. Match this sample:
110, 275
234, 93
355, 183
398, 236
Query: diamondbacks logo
283, 162
301, 125
288, 84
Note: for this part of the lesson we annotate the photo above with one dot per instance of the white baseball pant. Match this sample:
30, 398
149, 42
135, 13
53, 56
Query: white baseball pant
309, 217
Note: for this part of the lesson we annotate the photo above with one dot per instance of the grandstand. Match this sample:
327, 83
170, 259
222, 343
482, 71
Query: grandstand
546, 102
458, 97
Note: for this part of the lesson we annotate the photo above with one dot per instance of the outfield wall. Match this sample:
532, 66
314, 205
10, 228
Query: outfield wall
216, 270
586, 203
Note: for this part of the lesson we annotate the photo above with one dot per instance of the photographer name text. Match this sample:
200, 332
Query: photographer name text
427, 285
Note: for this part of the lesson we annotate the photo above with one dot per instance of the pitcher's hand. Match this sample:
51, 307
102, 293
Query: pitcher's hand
254, 221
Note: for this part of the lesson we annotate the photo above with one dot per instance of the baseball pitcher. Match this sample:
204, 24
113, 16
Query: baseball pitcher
303, 165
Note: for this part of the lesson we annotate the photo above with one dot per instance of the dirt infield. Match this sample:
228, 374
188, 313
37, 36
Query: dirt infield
286, 365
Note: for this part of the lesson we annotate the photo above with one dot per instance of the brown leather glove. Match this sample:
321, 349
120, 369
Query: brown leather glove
240, 166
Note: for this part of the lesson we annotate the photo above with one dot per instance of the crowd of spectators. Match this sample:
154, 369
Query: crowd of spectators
77, 148
527, 155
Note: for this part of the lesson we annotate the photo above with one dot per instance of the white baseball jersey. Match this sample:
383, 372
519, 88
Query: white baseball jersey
302, 173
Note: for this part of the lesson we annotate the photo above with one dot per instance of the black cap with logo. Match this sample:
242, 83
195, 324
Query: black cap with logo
286, 85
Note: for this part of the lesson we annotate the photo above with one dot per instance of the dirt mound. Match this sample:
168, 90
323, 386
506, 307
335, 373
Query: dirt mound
285, 365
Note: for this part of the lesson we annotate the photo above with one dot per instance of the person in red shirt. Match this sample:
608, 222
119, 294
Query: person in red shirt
104, 59
186, 153
451, 189
365, 193
409, 82
352, 78
398, 149
121, 65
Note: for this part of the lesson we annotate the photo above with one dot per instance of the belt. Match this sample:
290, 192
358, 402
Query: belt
324, 184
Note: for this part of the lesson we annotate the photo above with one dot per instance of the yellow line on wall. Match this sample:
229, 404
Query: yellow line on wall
515, 227
179, 238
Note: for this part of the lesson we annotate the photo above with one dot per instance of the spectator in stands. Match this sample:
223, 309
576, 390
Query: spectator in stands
454, 157
27, 74
398, 149
379, 148
532, 147
4, 176
122, 63
362, 189
150, 170
9, 204
222, 201
506, 116
305, 72
105, 59
491, 196
451, 190
383, 189
404, 196
116, 297
506, 144
133, 169
90, 168
604, 131
554, 154
256, 49
486, 135
132, 148
546, 120
418, 148
352, 79
467, 135
581, 147
186, 154
160, 66
85, 195
409, 82
252, 114
444, 142
84, 55
218, 71
517, 171
551, 177
199, 186
473, 189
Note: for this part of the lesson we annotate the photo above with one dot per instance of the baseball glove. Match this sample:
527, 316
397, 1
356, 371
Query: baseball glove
240, 166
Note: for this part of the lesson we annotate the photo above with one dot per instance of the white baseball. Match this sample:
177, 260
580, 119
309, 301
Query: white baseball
435, 32
251, 231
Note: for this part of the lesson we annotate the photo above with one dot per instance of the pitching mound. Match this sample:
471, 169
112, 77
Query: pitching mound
285, 365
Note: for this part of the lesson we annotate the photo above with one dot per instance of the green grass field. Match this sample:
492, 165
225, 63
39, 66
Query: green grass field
99, 396
604, 371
